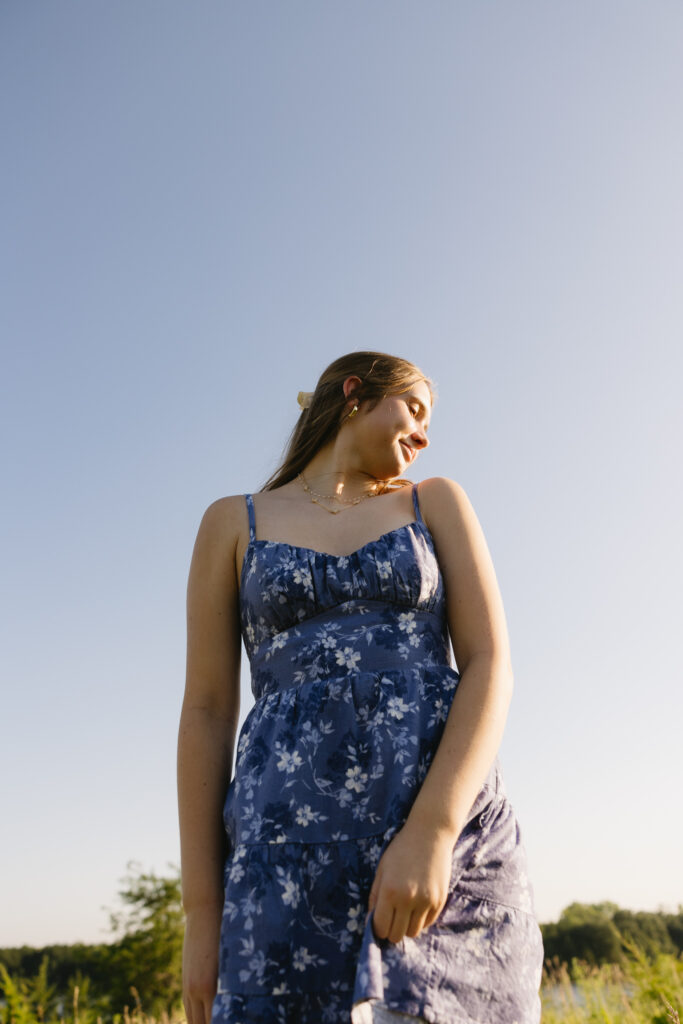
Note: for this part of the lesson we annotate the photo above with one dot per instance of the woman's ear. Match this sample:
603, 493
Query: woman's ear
350, 385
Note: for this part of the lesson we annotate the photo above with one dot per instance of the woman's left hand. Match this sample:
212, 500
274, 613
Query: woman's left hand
411, 883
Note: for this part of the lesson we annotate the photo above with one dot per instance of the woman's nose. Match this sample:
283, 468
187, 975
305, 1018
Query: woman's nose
420, 439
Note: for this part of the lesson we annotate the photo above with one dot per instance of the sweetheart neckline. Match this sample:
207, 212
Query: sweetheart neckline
329, 554
420, 523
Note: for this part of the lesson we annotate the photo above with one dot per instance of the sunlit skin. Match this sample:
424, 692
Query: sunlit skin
375, 444
373, 447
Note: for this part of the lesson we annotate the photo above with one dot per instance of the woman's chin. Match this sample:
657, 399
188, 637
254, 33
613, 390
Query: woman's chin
393, 472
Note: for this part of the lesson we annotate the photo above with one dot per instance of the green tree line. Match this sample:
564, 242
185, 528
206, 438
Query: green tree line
142, 963
601, 933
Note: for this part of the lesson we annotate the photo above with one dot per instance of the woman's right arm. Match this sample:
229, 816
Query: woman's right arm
205, 744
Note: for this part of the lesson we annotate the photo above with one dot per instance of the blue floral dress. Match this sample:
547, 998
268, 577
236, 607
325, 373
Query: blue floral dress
352, 681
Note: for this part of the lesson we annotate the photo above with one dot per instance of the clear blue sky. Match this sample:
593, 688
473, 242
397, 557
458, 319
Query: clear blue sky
204, 204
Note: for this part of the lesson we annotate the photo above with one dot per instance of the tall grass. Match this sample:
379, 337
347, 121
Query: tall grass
640, 991
34, 1001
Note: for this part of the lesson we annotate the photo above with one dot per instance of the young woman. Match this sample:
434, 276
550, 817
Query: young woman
371, 867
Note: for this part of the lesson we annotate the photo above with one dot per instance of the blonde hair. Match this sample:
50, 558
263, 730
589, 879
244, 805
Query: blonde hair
379, 374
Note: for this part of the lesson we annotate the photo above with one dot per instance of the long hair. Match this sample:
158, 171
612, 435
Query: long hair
380, 375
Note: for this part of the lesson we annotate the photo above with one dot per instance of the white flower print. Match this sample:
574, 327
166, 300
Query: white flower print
279, 641
335, 691
304, 815
356, 920
248, 907
250, 780
236, 873
360, 812
289, 761
439, 711
243, 744
348, 658
406, 622
311, 735
397, 707
230, 910
402, 741
291, 893
422, 768
303, 959
384, 570
356, 779
372, 854
303, 577
341, 563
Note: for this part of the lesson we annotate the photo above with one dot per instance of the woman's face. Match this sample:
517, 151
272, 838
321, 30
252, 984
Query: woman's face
394, 432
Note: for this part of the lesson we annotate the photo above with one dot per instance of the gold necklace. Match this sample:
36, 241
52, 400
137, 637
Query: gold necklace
346, 502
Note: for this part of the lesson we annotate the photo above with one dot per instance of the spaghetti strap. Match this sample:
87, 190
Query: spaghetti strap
416, 506
252, 517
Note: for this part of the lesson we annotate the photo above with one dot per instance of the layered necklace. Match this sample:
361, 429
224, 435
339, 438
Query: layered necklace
318, 498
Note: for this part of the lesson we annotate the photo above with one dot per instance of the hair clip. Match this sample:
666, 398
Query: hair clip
304, 398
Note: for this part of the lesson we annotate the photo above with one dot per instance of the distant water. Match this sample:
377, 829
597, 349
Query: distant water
558, 996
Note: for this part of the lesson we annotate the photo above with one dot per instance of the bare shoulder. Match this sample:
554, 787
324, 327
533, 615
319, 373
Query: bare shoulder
443, 502
223, 524
453, 524
225, 517
213, 637
475, 609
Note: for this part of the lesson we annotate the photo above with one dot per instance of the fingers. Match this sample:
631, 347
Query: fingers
433, 913
395, 916
418, 921
382, 919
396, 921
399, 924
193, 1011
410, 889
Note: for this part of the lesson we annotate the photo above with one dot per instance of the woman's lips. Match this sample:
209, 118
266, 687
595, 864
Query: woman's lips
410, 452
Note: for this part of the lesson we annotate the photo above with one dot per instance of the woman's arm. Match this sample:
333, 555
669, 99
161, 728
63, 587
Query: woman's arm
205, 744
411, 884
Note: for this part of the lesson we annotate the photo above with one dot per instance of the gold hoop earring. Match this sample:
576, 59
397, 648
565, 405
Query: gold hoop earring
353, 412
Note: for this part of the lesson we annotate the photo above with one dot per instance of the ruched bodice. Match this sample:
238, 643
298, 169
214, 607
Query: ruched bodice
353, 682
308, 615
354, 649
